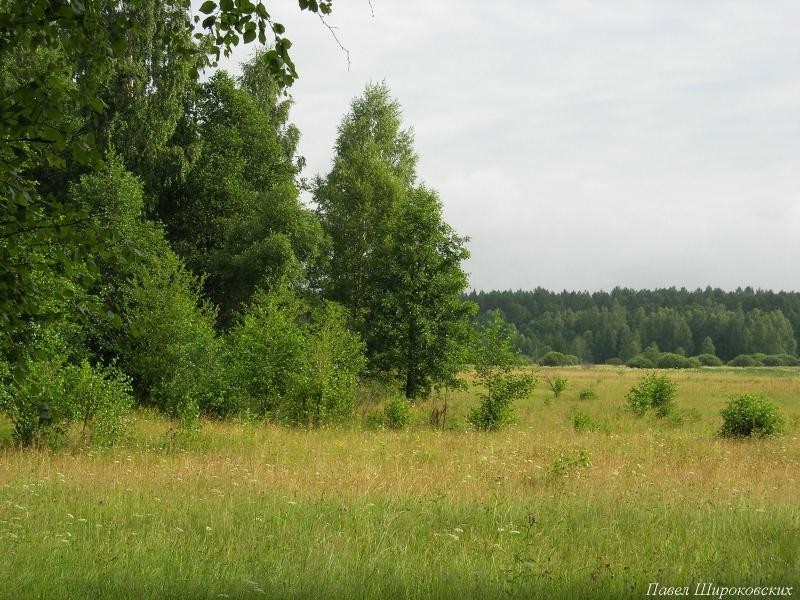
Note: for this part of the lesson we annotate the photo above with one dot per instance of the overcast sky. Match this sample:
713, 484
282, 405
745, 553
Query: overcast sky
583, 145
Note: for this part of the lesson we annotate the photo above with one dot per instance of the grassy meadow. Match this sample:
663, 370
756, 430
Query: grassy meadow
540, 509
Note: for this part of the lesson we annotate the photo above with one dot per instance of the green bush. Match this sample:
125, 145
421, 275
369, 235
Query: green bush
96, 398
587, 395
780, 360
558, 359
614, 361
296, 363
640, 361
744, 360
653, 391
708, 360
583, 422
750, 415
495, 359
669, 360
557, 385
99, 399
397, 413
41, 383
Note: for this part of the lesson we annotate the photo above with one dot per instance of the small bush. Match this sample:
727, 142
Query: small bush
780, 360
614, 361
652, 392
709, 360
669, 360
744, 360
397, 413
568, 464
640, 361
587, 395
557, 385
495, 360
496, 408
558, 359
750, 415
99, 400
583, 422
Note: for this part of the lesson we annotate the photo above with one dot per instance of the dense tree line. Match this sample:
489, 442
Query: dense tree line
620, 324
155, 248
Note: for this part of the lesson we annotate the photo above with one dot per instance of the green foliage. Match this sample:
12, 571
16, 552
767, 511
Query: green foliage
653, 391
745, 360
709, 360
418, 324
558, 359
495, 359
620, 323
392, 260
750, 415
397, 413
296, 363
557, 385
669, 360
640, 361
99, 400
170, 347
583, 422
587, 395
76, 77
569, 464
236, 216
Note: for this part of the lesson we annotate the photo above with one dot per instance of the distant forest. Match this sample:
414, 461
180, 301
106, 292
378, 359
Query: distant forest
602, 326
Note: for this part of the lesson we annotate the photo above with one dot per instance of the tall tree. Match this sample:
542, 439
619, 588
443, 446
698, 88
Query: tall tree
417, 322
373, 169
393, 261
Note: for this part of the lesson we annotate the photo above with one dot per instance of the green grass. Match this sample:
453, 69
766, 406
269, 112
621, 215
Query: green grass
537, 510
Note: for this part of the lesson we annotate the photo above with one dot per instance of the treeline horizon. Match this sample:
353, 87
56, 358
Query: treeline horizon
622, 323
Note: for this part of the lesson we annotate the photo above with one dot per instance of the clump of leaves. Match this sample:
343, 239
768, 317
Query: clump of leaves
750, 415
397, 413
583, 422
569, 464
587, 395
655, 392
496, 363
557, 385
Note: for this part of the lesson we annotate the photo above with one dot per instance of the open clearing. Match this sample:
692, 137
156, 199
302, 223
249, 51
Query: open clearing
535, 510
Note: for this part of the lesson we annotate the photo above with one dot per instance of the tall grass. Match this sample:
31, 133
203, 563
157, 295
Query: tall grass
536, 510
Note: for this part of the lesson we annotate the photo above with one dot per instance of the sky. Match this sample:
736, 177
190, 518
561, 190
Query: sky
581, 145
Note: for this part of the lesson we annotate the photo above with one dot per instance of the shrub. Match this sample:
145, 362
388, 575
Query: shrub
745, 360
496, 409
557, 385
558, 359
583, 422
669, 360
708, 360
614, 361
780, 360
397, 413
653, 391
587, 395
750, 415
640, 361
296, 363
99, 400
42, 383
495, 359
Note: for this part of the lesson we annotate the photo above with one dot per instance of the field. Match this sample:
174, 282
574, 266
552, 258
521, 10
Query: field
535, 510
